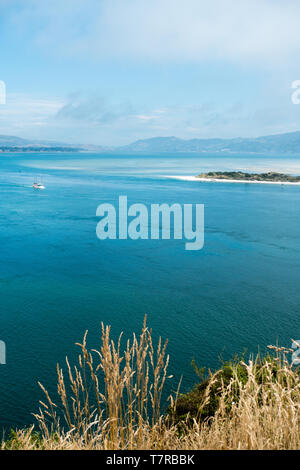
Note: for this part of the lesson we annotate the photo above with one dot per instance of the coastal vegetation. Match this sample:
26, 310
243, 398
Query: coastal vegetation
113, 399
241, 176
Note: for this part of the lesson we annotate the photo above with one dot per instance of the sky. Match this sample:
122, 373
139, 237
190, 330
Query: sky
109, 72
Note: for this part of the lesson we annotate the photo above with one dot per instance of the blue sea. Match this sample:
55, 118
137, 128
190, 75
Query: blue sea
57, 279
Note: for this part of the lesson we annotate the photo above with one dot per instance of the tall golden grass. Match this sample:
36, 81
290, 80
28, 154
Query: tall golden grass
113, 400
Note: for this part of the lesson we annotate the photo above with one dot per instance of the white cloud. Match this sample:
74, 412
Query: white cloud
82, 120
146, 117
24, 113
93, 109
263, 31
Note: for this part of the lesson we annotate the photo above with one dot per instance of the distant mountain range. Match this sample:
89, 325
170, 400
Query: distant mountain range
273, 144
279, 144
10, 143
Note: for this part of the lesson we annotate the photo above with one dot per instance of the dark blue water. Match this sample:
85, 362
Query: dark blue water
57, 279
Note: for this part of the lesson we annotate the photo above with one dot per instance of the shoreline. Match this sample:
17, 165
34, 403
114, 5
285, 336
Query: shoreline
216, 180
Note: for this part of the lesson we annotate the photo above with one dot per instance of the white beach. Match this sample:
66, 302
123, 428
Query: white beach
214, 180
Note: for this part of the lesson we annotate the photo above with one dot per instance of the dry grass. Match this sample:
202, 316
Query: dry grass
112, 400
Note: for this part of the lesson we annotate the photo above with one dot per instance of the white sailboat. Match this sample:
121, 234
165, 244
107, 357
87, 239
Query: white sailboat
38, 185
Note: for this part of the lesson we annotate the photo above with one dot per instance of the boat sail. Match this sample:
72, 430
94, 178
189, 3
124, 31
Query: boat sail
38, 185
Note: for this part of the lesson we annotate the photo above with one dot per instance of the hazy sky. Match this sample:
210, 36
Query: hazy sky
113, 71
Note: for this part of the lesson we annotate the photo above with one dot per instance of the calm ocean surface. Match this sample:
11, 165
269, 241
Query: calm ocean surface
57, 279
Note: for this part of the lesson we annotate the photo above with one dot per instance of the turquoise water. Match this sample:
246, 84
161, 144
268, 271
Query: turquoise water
57, 279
